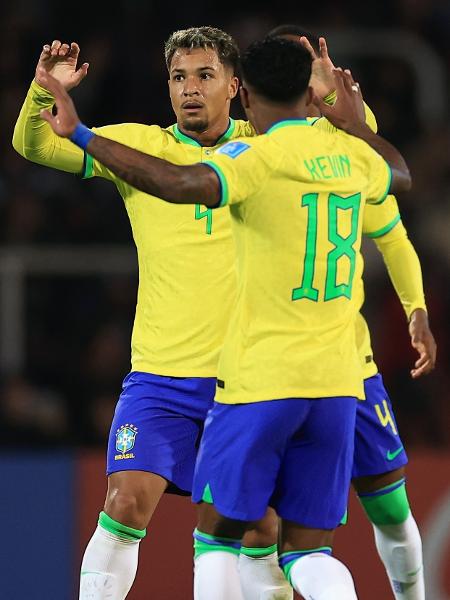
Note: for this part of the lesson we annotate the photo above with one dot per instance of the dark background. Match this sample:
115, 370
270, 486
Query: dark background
76, 327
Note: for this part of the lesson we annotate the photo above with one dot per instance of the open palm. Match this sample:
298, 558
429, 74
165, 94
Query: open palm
60, 61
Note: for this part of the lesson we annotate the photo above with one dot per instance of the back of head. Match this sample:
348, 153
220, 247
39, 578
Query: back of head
207, 38
277, 69
290, 31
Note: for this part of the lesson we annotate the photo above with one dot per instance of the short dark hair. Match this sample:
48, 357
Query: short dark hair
290, 29
277, 69
204, 37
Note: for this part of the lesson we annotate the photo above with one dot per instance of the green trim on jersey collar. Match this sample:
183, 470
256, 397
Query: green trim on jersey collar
386, 229
288, 123
186, 139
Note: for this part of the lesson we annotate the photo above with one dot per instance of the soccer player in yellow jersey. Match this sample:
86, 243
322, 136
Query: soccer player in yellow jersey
289, 373
380, 458
184, 253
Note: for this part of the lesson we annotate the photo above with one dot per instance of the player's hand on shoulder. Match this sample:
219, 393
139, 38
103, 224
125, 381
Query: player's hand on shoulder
60, 60
422, 340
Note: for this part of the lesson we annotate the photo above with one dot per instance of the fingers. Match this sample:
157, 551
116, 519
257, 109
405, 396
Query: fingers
56, 45
423, 369
306, 44
58, 48
81, 73
74, 50
47, 115
323, 48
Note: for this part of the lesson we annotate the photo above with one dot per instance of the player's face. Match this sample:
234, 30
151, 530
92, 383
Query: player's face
201, 88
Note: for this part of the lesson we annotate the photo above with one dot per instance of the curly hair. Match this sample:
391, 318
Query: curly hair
277, 68
204, 37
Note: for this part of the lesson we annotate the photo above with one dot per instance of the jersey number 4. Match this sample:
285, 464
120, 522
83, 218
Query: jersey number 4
206, 213
343, 246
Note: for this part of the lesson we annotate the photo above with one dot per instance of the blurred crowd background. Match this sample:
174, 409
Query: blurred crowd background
60, 386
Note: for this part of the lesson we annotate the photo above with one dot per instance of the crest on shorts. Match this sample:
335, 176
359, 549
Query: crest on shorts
125, 438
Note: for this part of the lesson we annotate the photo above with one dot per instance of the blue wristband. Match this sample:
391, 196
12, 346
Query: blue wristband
81, 136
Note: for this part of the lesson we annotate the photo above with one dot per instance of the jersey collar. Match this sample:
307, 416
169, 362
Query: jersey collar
187, 139
288, 123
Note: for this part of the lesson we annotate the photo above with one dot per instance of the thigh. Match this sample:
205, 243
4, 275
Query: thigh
378, 446
157, 426
312, 488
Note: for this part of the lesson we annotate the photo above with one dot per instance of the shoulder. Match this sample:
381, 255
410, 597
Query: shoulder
133, 134
243, 129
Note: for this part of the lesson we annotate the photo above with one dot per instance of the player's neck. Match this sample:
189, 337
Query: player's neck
210, 136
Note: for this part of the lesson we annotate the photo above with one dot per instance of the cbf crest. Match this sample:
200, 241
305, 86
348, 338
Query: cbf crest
125, 440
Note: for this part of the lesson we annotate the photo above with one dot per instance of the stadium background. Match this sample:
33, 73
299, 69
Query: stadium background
68, 278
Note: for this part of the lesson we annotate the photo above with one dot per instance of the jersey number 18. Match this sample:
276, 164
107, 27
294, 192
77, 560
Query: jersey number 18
343, 246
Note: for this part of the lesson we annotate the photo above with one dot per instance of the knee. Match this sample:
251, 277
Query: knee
124, 506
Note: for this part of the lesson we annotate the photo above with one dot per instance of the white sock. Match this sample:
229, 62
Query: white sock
262, 578
216, 577
321, 577
400, 549
109, 567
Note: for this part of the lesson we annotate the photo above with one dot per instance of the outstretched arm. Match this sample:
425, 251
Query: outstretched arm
196, 184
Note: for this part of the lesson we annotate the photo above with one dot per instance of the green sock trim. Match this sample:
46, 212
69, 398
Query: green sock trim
391, 508
122, 531
287, 566
204, 542
258, 552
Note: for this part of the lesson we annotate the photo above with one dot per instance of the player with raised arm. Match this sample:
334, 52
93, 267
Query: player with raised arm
184, 253
380, 458
289, 372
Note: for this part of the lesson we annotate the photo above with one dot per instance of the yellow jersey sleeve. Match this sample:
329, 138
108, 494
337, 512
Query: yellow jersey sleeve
242, 167
35, 140
380, 219
403, 266
148, 138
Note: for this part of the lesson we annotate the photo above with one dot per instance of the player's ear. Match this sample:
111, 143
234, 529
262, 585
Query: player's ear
309, 95
244, 97
233, 87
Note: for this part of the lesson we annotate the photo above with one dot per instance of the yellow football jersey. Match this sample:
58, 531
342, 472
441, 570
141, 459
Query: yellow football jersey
296, 198
186, 253
186, 260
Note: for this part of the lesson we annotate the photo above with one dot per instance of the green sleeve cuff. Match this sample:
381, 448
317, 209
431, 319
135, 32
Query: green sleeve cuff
88, 167
386, 229
223, 183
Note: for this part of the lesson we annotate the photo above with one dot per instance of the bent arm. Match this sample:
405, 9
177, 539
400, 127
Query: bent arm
196, 184
36, 141
404, 268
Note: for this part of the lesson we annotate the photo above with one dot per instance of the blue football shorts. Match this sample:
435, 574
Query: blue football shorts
157, 426
294, 454
378, 447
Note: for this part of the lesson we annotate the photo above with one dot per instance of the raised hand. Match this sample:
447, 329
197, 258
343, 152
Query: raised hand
66, 118
347, 112
322, 79
422, 341
60, 60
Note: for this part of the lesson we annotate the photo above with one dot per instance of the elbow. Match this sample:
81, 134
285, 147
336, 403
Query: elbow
401, 181
17, 143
